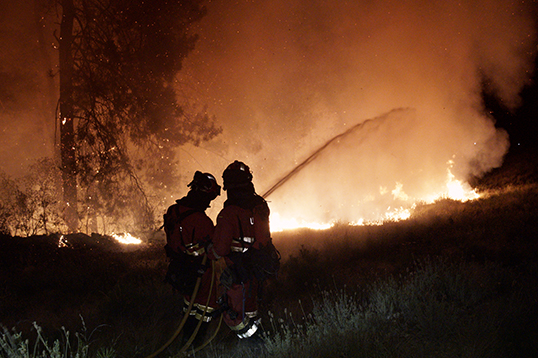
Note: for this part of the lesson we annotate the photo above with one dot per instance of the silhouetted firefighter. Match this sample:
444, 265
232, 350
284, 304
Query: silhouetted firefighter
188, 232
242, 236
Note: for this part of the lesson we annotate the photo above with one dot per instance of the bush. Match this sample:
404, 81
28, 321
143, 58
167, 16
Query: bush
32, 207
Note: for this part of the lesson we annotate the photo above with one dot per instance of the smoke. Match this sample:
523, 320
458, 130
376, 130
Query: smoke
28, 91
284, 77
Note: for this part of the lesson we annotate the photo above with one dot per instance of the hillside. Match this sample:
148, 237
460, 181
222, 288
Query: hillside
119, 296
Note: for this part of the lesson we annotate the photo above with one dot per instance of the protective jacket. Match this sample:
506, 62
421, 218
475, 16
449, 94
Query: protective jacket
189, 232
242, 224
239, 228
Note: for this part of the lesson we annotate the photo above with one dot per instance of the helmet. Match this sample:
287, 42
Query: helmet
206, 183
236, 175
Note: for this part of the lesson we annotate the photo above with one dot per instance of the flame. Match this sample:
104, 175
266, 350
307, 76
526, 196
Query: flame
278, 223
458, 190
398, 214
126, 239
454, 189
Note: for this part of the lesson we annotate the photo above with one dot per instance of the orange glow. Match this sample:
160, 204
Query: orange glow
458, 190
454, 189
127, 239
279, 223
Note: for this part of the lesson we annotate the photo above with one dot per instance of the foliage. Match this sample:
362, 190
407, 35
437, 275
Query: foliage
121, 117
437, 310
31, 206
117, 204
126, 57
13, 345
10, 197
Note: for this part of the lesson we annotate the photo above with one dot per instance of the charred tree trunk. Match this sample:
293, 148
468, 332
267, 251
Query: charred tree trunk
67, 128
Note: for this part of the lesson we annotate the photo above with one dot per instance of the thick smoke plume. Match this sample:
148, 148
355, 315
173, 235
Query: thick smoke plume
285, 77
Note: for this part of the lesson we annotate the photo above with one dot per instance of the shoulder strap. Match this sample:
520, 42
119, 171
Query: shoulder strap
180, 218
183, 215
170, 225
242, 235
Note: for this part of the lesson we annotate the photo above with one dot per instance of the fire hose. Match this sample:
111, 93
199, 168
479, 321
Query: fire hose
193, 335
210, 338
186, 315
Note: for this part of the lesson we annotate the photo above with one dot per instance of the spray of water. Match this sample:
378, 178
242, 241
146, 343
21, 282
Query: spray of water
316, 153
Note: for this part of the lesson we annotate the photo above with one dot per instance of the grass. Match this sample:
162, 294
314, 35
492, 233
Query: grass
455, 280
13, 345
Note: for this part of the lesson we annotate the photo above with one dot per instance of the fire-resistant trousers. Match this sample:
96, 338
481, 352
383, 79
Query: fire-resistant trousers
202, 296
242, 314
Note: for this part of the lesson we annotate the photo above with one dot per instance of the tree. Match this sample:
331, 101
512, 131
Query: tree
118, 61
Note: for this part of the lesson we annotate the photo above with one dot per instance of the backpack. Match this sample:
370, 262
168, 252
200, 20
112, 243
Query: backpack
183, 269
262, 263
171, 220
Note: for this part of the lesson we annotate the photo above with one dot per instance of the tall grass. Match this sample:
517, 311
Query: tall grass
440, 309
14, 345
436, 308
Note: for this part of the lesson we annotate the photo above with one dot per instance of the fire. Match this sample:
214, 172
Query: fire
278, 223
398, 214
126, 238
454, 189
458, 190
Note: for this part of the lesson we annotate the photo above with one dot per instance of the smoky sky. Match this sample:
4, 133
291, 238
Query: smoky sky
28, 89
284, 77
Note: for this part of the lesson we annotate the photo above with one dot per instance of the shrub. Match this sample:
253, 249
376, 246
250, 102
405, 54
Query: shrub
32, 207
13, 345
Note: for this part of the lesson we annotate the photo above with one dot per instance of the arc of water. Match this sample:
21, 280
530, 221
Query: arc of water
315, 154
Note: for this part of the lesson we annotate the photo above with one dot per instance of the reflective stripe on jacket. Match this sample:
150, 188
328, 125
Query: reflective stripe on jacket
192, 233
237, 231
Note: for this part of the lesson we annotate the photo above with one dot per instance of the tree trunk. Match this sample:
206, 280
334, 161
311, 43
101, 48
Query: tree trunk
67, 129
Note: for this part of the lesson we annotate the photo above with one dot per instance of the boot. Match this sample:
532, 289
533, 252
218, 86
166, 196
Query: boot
255, 343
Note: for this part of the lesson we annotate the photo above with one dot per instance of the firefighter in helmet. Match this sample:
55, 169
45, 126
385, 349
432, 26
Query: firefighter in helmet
188, 232
242, 225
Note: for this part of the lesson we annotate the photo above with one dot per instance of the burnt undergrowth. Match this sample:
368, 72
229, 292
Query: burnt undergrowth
456, 279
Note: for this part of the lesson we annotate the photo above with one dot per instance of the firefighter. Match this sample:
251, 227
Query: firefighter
242, 228
189, 231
